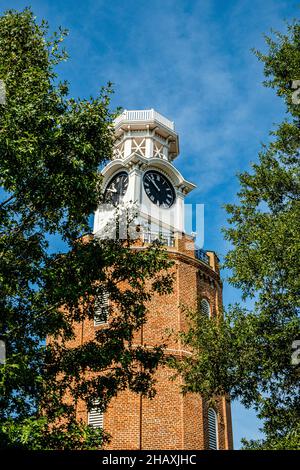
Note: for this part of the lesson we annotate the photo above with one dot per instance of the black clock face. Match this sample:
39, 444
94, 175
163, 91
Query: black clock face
159, 189
116, 188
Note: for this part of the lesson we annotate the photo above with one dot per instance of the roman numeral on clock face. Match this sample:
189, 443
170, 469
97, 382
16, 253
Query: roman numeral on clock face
159, 189
116, 188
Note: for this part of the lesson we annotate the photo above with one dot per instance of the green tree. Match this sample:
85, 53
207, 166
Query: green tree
248, 353
51, 147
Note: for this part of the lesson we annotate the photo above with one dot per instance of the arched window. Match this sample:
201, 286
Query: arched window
101, 307
95, 418
212, 429
205, 308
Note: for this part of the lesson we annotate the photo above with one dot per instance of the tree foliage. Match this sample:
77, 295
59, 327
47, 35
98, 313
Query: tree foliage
51, 147
247, 354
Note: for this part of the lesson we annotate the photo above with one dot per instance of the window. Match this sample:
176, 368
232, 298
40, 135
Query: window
205, 308
212, 430
101, 308
95, 418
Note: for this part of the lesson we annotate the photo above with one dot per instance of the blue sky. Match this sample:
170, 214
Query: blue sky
191, 61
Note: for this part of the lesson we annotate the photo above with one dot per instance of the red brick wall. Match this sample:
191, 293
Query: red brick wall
170, 420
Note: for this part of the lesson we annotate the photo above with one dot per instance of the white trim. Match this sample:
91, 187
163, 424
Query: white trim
213, 434
144, 115
95, 418
205, 307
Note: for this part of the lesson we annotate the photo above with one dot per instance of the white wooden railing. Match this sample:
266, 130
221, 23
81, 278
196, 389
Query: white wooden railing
166, 239
144, 115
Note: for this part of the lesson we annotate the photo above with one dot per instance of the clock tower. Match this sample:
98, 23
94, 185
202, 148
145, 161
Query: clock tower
142, 172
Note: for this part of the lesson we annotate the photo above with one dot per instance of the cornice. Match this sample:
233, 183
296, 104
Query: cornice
204, 269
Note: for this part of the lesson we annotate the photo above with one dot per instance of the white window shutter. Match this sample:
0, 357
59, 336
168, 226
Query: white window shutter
212, 430
101, 308
95, 418
205, 308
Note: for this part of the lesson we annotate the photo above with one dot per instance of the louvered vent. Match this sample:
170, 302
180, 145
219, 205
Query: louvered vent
212, 430
205, 307
95, 418
101, 308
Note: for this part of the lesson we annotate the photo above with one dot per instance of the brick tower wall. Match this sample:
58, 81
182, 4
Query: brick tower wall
170, 420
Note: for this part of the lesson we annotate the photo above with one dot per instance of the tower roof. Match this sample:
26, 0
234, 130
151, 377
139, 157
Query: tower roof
143, 119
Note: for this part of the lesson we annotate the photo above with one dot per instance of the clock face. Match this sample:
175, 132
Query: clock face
116, 188
159, 189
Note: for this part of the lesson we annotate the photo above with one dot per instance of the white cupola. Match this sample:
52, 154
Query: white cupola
142, 172
146, 133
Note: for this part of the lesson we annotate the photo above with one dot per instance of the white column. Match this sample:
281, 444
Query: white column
134, 186
127, 147
180, 212
166, 152
149, 147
